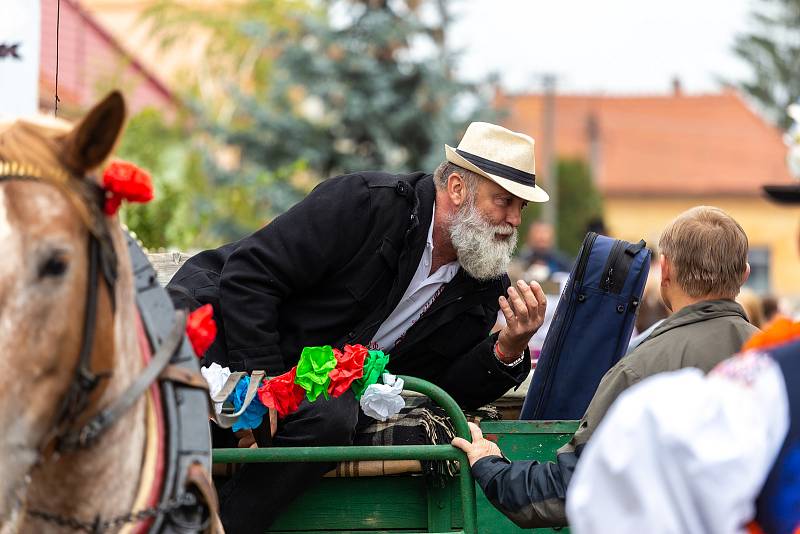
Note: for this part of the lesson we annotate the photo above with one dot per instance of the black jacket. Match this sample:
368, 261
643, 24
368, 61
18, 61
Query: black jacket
331, 269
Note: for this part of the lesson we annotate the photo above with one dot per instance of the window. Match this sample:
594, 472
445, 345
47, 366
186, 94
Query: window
759, 270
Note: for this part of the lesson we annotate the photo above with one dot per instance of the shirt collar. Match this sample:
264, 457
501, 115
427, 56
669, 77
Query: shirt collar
429, 243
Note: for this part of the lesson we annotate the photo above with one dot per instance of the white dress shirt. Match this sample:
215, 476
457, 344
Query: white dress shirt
420, 294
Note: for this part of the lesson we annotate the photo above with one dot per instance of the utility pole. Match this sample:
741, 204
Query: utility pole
550, 209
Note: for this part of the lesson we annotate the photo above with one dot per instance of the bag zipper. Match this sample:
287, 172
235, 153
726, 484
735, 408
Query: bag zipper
574, 283
607, 282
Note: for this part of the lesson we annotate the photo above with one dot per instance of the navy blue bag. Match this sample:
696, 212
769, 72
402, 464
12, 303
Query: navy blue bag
591, 327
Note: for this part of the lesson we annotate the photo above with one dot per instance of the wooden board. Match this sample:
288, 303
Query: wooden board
166, 263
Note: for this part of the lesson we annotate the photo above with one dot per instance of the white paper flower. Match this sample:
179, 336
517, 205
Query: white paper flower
381, 401
216, 376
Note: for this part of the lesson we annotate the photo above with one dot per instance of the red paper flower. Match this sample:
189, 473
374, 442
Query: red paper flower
282, 394
349, 367
201, 329
125, 181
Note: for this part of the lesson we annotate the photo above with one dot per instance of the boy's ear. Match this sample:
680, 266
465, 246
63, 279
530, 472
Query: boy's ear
666, 273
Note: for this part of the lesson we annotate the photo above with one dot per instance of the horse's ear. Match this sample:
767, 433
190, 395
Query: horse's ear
92, 140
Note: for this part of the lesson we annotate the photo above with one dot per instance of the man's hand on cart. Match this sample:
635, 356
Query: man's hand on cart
480, 446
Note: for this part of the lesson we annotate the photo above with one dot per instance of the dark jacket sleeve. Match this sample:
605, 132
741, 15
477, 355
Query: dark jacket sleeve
478, 377
530, 493
292, 253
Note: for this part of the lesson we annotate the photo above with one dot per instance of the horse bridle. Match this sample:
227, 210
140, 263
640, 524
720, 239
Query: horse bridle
102, 259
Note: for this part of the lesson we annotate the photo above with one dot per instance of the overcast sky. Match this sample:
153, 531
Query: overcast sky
614, 46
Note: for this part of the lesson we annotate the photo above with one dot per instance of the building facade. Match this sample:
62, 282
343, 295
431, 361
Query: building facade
654, 156
91, 61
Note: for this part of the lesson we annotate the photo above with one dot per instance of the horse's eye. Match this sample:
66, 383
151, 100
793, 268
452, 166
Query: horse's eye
53, 267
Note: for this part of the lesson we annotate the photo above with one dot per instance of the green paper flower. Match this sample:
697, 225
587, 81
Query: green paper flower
374, 366
312, 370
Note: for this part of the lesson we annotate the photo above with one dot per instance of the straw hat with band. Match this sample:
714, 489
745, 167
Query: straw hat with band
502, 156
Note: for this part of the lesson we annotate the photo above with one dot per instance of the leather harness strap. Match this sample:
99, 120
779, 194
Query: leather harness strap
180, 375
226, 420
198, 478
186, 405
85, 381
228, 386
87, 434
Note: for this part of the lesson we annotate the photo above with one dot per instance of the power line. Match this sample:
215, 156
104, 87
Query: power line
58, 28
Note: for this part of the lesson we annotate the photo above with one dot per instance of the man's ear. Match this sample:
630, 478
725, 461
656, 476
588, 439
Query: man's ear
456, 189
93, 139
664, 267
746, 273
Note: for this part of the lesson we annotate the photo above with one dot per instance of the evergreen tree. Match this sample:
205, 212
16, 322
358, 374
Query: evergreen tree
772, 50
356, 95
344, 86
366, 85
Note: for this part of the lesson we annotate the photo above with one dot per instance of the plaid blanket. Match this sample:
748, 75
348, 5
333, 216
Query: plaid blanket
421, 422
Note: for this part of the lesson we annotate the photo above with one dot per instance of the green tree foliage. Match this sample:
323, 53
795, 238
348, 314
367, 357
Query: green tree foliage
169, 219
227, 31
373, 91
579, 202
190, 209
344, 86
772, 50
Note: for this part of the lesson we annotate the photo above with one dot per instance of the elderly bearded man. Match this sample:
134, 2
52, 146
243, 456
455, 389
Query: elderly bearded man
414, 265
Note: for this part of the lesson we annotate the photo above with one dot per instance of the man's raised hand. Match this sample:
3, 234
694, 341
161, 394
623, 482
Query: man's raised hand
524, 312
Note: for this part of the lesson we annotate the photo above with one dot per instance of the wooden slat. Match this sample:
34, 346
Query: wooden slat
365, 504
166, 263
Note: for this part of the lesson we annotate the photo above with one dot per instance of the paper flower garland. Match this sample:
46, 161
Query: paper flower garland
282, 394
201, 329
320, 371
381, 401
373, 369
125, 181
312, 370
253, 414
349, 367
215, 376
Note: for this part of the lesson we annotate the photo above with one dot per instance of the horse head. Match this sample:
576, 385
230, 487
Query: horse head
50, 209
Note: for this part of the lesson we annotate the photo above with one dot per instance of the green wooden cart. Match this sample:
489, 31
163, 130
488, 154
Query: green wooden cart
407, 503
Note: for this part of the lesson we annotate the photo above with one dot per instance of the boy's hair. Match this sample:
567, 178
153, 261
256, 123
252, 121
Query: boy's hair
708, 250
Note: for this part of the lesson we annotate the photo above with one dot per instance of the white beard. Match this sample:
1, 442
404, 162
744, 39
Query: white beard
480, 254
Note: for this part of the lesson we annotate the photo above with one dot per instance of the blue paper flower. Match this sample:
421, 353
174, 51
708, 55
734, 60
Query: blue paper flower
254, 414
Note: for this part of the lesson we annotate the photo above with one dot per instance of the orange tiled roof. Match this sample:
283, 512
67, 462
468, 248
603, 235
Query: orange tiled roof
672, 144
